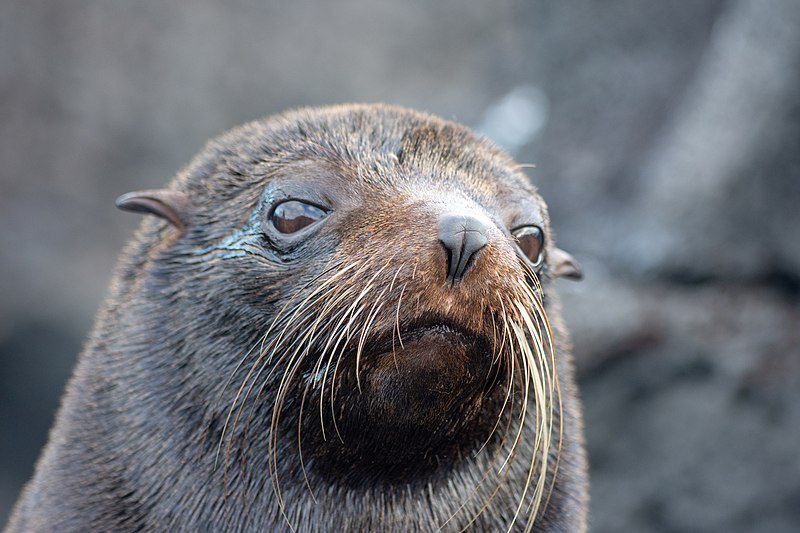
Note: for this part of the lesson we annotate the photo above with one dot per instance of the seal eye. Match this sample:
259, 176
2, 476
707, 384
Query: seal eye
530, 240
293, 215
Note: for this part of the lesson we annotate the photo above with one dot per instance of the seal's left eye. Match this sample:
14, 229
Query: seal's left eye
530, 240
293, 215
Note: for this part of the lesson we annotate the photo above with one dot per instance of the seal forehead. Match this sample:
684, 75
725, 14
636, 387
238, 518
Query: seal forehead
376, 147
396, 148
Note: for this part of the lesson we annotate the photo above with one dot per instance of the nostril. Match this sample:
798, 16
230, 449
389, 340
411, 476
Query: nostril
473, 243
462, 236
448, 250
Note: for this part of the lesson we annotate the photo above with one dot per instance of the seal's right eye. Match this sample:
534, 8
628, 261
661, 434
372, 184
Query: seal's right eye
530, 240
293, 215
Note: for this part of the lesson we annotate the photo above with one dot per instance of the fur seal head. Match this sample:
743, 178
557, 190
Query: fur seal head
351, 297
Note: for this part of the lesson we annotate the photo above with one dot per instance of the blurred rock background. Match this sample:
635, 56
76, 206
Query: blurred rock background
666, 138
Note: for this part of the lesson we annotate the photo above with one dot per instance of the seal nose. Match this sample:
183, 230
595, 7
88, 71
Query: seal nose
462, 236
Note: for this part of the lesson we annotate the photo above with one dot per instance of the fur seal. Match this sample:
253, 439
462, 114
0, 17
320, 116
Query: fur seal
339, 319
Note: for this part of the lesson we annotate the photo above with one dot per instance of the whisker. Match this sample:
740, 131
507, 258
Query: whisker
274, 322
290, 326
341, 335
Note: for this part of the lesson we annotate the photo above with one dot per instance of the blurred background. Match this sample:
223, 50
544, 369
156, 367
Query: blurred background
666, 138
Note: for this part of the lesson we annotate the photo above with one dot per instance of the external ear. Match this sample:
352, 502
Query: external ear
564, 265
172, 206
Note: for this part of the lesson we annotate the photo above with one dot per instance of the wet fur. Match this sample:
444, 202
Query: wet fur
138, 442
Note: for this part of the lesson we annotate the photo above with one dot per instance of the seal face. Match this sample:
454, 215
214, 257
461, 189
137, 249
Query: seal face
349, 304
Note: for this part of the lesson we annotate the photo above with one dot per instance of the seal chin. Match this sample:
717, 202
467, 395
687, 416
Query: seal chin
435, 368
421, 405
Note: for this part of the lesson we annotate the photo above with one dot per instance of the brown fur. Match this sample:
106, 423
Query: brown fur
141, 440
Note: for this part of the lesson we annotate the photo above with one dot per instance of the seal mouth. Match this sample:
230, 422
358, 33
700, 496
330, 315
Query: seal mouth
430, 391
433, 362
431, 328
443, 341
433, 348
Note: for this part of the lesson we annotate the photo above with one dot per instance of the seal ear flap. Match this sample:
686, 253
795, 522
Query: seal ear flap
172, 206
564, 265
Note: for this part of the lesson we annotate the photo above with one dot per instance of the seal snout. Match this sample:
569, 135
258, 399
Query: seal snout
462, 236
